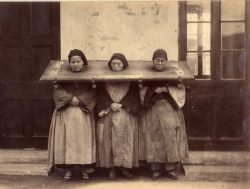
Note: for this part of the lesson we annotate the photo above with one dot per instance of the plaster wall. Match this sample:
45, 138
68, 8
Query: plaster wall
135, 29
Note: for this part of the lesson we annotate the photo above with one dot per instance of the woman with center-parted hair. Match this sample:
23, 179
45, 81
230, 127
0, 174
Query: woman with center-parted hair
72, 130
118, 106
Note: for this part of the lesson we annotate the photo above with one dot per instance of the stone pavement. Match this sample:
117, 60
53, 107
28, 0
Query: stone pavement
99, 181
201, 165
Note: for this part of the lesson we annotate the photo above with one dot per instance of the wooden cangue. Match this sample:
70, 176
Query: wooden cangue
59, 70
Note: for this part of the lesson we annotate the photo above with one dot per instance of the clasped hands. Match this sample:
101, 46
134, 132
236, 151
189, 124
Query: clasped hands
164, 89
159, 90
75, 101
115, 107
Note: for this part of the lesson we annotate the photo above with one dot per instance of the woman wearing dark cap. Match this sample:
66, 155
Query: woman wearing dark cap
118, 106
72, 130
163, 140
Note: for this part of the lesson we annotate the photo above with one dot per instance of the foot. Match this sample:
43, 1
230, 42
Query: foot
125, 173
67, 175
156, 175
171, 174
112, 175
85, 176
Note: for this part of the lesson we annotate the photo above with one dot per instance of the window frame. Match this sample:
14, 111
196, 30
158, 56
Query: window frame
215, 59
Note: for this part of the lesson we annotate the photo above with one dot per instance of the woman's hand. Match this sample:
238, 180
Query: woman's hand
164, 89
75, 101
119, 106
102, 113
158, 90
115, 107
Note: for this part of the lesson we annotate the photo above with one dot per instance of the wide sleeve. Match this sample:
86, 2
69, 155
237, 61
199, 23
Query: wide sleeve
143, 91
88, 98
178, 95
103, 100
131, 101
150, 97
61, 96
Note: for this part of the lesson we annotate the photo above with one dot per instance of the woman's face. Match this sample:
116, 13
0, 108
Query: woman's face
116, 65
160, 63
76, 63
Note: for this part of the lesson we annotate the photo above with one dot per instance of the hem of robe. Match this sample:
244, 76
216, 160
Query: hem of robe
109, 161
143, 156
51, 144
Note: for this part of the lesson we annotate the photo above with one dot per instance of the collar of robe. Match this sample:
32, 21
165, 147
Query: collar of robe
83, 68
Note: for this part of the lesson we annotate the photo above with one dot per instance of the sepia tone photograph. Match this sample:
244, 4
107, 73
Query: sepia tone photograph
125, 94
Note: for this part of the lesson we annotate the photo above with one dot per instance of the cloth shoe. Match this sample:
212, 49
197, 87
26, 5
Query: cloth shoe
67, 175
125, 173
171, 174
112, 175
156, 175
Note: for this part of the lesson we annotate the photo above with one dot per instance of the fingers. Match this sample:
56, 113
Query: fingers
119, 106
164, 89
101, 114
158, 90
75, 101
115, 107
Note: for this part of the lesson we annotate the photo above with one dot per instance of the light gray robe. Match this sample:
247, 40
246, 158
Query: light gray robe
72, 130
162, 132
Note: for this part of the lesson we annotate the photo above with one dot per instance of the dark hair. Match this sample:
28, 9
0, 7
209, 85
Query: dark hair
119, 56
77, 52
160, 53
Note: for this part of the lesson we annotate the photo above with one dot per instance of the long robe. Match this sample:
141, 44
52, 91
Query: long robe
117, 132
162, 135
72, 129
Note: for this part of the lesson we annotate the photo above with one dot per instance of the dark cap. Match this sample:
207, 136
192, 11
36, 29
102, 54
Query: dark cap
77, 52
120, 57
160, 53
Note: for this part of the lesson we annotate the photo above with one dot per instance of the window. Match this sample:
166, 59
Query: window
232, 40
213, 38
199, 38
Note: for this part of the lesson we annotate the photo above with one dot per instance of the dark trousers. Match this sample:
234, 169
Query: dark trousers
88, 168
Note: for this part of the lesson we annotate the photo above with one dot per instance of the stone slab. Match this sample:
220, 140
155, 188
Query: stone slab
25, 169
218, 158
23, 156
196, 157
202, 172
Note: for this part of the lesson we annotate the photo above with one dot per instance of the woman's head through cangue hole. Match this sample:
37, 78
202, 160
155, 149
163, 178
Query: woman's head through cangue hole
160, 59
118, 62
77, 60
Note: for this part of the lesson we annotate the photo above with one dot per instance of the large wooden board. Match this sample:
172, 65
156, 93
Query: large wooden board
59, 70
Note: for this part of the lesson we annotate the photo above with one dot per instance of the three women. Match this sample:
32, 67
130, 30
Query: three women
163, 140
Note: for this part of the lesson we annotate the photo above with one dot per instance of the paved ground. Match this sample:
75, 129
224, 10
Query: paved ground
99, 181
